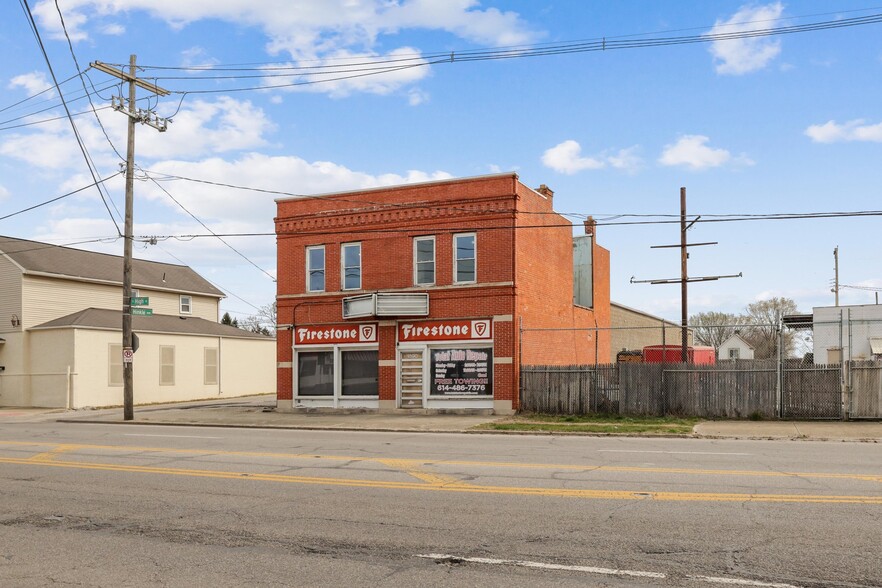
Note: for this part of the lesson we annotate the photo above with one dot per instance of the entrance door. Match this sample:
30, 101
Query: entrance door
411, 383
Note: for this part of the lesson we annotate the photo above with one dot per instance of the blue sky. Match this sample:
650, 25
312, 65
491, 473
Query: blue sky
758, 126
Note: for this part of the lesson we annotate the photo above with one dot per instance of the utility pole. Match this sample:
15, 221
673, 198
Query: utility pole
684, 278
836, 273
149, 118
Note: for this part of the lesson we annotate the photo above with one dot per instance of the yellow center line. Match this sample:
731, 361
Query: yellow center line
461, 487
417, 464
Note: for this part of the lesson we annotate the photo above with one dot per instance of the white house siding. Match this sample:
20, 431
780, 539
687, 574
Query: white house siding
10, 295
247, 366
744, 350
46, 299
52, 369
14, 385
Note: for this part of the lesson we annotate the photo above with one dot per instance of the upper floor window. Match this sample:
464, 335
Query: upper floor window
351, 264
464, 258
424, 260
315, 269
186, 304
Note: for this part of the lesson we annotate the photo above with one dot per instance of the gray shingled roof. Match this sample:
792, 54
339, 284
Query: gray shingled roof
36, 257
99, 318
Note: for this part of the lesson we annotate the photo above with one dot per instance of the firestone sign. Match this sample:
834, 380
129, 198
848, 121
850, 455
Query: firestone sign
364, 333
451, 330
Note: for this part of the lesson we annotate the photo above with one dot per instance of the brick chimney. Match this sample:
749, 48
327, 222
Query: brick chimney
590, 226
545, 191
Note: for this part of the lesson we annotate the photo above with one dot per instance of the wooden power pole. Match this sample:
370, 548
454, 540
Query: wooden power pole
148, 118
684, 278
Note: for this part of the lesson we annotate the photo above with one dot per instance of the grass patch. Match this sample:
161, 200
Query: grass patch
598, 424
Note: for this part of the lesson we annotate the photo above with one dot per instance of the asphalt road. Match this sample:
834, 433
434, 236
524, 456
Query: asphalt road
110, 505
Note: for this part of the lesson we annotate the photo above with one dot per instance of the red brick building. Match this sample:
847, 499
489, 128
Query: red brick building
413, 296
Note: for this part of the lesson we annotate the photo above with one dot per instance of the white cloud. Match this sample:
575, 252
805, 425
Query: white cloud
34, 82
854, 130
314, 30
347, 74
741, 56
113, 29
4, 193
284, 173
197, 57
567, 158
200, 128
415, 96
308, 28
691, 151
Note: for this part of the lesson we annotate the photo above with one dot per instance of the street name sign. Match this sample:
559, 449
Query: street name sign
142, 311
140, 300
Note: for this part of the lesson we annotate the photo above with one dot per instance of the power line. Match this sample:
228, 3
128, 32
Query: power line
83, 81
73, 125
206, 227
16, 213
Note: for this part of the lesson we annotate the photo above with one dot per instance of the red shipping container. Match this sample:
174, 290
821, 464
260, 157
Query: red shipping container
674, 353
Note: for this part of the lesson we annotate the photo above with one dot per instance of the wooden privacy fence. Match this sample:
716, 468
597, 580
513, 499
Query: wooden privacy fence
762, 388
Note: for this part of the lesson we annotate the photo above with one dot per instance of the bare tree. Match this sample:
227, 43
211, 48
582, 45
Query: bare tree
765, 318
713, 328
263, 322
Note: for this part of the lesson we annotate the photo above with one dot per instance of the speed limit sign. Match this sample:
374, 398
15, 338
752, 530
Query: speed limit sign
128, 354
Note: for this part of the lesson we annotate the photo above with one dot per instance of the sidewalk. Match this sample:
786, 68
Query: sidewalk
258, 411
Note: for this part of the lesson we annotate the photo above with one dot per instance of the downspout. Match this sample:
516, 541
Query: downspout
220, 363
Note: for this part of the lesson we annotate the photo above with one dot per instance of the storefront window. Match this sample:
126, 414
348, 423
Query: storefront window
461, 372
360, 372
315, 373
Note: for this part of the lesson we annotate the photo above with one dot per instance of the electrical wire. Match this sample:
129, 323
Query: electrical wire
57, 198
73, 125
206, 227
83, 81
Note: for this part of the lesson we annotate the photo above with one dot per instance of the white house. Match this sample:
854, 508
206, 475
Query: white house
735, 347
61, 332
847, 333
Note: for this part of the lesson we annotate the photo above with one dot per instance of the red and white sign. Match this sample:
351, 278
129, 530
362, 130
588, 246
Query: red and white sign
334, 334
128, 355
452, 330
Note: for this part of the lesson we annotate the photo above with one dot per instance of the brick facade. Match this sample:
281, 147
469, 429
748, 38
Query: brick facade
524, 271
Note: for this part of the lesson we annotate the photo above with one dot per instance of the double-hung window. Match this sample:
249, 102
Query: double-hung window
315, 268
465, 259
350, 258
186, 305
424, 261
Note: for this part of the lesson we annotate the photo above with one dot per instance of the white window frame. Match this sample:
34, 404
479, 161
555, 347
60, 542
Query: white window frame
416, 262
188, 304
162, 365
343, 247
337, 351
114, 360
474, 236
135, 292
734, 353
210, 381
309, 270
